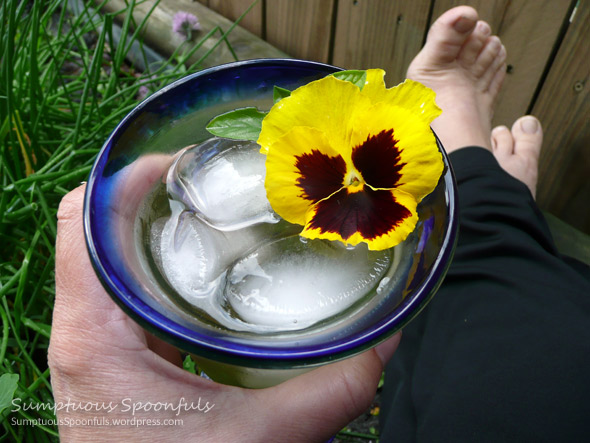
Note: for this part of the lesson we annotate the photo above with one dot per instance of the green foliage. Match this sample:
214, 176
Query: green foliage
65, 83
246, 123
239, 124
189, 364
353, 76
279, 93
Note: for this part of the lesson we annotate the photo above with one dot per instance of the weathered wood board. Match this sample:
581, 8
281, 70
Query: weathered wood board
379, 34
253, 21
301, 28
563, 106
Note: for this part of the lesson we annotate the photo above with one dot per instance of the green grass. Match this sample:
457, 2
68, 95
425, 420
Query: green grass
64, 86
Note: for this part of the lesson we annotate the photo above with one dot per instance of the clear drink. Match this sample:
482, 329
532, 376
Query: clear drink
221, 251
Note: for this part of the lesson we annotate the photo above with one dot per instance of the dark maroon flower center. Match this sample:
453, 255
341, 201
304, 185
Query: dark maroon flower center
378, 160
321, 175
370, 212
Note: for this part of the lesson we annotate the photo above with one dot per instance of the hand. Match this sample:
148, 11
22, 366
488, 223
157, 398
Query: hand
99, 357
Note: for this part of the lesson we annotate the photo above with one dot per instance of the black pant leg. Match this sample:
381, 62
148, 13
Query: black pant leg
502, 353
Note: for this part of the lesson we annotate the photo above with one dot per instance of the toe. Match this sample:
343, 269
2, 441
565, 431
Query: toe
449, 32
502, 142
496, 83
528, 137
488, 57
474, 44
492, 75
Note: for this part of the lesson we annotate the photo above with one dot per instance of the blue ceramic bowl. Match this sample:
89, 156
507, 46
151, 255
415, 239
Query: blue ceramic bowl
135, 158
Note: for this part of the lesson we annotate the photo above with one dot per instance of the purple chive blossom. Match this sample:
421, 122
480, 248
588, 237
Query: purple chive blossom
184, 23
147, 86
142, 93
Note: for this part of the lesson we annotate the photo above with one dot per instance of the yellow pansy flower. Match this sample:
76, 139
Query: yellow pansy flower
352, 164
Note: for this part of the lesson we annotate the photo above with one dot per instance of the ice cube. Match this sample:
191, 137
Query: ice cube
288, 284
186, 253
193, 256
222, 181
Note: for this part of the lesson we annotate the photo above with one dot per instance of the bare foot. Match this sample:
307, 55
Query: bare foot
518, 150
465, 66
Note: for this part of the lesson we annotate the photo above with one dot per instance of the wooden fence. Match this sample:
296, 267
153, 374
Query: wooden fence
548, 65
548, 61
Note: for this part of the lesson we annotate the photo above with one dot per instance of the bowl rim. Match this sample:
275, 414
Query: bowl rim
246, 354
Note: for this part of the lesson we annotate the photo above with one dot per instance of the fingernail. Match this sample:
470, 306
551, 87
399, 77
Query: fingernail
386, 349
529, 125
463, 24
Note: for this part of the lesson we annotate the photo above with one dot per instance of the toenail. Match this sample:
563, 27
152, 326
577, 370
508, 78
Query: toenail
464, 24
484, 28
495, 41
529, 125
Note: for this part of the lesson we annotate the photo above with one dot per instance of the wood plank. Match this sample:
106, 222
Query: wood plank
379, 34
569, 241
301, 28
528, 29
563, 107
233, 9
159, 36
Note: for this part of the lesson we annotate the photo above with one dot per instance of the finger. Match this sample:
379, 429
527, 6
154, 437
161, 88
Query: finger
328, 398
81, 297
82, 305
77, 287
86, 322
88, 327
136, 180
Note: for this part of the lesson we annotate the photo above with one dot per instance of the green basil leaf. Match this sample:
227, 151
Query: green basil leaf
356, 77
239, 124
279, 93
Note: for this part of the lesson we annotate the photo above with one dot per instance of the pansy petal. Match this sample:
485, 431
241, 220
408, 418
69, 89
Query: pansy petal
409, 94
415, 97
374, 85
378, 159
380, 218
301, 169
325, 104
395, 148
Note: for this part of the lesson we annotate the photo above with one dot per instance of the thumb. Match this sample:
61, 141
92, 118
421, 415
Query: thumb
328, 398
